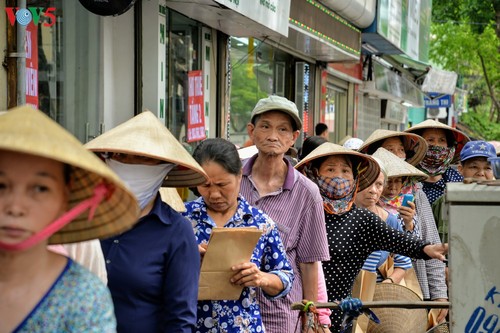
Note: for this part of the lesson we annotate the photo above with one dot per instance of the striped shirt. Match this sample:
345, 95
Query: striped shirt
377, 258
297, 209
430, 273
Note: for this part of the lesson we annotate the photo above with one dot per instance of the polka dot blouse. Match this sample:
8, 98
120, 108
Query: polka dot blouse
351, 238
434, 190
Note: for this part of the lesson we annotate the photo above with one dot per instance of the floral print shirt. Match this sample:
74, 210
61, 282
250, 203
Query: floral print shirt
242, 315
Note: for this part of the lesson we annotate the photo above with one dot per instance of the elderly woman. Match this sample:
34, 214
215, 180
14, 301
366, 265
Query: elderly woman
445, 144
54, 191
221, 206
353, 233
412, 148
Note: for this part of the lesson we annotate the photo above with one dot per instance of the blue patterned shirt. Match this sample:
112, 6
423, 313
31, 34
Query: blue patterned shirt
241, 315
78, 301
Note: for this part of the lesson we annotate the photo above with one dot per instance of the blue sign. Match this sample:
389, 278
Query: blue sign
434, 100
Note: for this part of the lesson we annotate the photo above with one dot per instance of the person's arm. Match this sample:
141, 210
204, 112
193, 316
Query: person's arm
309, 272
323, 313
180, 281
397, 275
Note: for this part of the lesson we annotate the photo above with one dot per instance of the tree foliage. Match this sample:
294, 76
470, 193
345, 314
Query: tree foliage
465, 38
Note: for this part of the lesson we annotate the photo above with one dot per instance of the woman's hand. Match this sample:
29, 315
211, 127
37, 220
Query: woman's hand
203, 249
437, 251
407, 214
249, 275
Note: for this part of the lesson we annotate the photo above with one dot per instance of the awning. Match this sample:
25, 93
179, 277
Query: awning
319, 33
249, 18
432, 80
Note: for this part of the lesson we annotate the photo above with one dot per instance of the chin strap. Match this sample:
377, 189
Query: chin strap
101, 192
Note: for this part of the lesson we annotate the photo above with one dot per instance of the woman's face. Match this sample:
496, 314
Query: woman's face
477, 168
435, 137
220, 192
33, 193
393, 187
395, 146
370, 195
336, 166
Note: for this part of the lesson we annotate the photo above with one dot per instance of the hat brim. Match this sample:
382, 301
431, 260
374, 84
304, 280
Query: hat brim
460, 137
413, 144
395, 167
29, 131
144, 135
366, 178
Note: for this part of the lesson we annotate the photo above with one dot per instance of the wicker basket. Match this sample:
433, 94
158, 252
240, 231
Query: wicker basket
397, 320
441, 328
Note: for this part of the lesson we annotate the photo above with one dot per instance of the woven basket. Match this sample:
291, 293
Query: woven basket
441, 328
397, 320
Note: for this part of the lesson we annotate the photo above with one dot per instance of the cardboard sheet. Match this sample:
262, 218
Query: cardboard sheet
226, 247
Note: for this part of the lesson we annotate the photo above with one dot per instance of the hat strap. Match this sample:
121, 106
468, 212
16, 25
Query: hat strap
91, 203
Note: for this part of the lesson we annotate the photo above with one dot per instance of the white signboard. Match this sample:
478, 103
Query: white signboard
273, 14
474, 269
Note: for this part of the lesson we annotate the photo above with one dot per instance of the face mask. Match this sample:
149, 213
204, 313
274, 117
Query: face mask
437, 160
143, 180
334, 188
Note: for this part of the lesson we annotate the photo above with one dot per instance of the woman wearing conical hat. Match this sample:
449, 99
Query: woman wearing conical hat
353, 233
52, 190
412, 148
152, 268
445, 144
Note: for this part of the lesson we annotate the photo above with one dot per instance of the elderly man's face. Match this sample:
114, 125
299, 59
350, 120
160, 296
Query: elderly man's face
273, 133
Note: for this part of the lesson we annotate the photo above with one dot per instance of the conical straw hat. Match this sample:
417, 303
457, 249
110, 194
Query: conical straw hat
170, 196
460, 137
145, 135
397, 320
415, 146
366, 178
396, 167
30, 131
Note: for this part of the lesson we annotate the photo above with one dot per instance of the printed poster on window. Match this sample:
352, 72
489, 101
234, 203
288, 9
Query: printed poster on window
31, 65
196, 112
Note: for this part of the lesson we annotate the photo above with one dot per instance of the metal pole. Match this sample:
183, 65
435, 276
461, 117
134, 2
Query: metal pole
21, 59
382, 304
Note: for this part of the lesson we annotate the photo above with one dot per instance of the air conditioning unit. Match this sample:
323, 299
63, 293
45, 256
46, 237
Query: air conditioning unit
436, 113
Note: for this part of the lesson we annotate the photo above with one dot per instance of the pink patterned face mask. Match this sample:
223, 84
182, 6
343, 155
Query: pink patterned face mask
437, 160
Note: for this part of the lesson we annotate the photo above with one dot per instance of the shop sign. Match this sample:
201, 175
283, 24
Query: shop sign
406, 24
273, 14
24, 16
435, 100
196, 113
32, 65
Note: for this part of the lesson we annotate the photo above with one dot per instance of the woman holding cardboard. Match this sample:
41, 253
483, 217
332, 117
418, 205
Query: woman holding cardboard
221, 206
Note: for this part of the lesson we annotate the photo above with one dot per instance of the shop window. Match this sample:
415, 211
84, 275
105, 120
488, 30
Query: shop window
183, 50
63, 66
257, 71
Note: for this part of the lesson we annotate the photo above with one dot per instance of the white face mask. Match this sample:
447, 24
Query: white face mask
143, 180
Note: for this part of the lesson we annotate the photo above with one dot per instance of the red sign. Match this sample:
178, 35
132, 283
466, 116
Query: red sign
31, 65
196, 113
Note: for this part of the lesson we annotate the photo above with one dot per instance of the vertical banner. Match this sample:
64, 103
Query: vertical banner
196, 114
323, 104
32, 65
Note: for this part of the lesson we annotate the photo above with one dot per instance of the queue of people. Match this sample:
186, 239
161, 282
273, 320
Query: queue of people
320, 220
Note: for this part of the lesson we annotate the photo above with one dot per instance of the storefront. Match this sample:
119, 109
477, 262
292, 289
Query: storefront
199, 67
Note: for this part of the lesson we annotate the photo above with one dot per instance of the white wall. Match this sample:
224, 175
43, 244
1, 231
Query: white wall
117, 68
